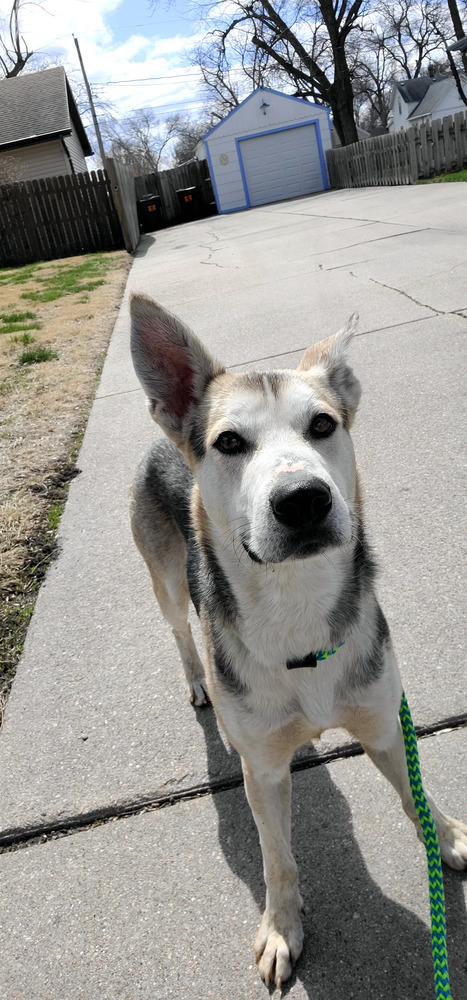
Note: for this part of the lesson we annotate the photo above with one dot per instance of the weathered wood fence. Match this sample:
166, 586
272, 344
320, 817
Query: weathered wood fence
402, 157
85, 213
166, 183
123, 191
57, 217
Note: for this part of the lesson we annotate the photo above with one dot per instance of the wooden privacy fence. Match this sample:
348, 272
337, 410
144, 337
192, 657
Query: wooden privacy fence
166, 183
123, 191
85, 213
58, 217
405, 157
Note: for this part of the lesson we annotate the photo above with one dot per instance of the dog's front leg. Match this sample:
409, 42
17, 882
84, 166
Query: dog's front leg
280, 936
390, 759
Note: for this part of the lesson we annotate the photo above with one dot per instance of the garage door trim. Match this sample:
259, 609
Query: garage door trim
282, 128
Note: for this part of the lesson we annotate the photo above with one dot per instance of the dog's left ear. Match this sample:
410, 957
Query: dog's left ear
330, 358
171, 363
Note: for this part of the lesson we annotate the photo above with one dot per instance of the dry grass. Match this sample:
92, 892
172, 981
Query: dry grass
65, 311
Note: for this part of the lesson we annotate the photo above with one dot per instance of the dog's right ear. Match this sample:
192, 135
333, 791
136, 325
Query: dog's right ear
171, 363
329, 357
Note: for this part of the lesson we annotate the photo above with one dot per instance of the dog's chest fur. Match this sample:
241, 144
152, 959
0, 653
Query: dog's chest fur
284, 611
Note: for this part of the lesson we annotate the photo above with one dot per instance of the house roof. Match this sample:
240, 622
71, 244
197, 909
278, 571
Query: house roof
259, 90
414, 90
433, 97
38, 106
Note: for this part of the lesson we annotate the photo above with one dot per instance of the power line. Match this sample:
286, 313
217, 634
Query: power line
144, 79
158, 110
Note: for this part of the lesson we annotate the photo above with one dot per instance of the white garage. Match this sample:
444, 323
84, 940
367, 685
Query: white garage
270, 148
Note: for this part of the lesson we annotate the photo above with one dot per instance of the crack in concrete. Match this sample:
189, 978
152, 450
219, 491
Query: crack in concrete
16, 839
212, 250
411, 298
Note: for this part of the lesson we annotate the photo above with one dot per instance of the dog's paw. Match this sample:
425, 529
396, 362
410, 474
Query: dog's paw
452, 836
199, 692
277, 948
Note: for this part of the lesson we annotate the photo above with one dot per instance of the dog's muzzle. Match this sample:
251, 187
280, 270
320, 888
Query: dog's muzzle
299, 523
302, 508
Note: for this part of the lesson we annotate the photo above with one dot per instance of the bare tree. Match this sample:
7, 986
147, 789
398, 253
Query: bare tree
460, 29
410, 35
304, 42
14, 52
141, 139
373, 70
8, 169
403, 39
445, 35
231, 68
189, 134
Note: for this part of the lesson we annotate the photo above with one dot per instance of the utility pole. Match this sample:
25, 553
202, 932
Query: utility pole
91, 102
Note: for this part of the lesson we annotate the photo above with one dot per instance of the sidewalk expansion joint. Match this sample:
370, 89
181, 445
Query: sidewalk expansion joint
18, 839
362, 333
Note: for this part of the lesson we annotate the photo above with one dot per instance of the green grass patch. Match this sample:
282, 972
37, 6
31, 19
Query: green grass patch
35, 357
458, 175
18, 275
54, 282
16, 327
54, 515
16, 317
25, 339
15, 322
77, 278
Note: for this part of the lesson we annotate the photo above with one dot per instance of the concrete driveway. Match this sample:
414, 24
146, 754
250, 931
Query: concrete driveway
133, 868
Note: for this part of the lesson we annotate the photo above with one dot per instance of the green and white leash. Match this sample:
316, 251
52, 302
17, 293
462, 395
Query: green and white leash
435, 874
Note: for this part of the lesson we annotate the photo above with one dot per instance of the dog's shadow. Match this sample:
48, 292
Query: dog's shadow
358, 941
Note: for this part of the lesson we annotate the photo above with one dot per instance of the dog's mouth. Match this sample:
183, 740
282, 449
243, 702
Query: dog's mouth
251, 554
303, 550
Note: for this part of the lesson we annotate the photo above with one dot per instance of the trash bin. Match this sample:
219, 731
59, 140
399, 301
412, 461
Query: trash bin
150, 215
190, 201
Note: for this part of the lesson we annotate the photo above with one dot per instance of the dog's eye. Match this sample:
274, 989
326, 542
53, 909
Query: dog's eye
230, 443
322, 425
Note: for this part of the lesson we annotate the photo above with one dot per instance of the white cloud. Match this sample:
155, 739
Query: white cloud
49, 27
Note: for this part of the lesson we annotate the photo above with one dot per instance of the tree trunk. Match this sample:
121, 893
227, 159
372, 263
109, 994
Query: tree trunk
341, 99
459, 32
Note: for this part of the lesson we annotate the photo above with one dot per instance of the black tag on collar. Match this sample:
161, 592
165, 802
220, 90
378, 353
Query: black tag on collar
308, 661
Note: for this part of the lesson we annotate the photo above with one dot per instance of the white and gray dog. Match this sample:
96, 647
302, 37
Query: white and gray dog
253, 509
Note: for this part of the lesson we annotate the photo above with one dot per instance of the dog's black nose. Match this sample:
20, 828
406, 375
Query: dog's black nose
303, 506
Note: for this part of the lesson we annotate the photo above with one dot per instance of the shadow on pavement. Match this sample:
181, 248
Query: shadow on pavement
144, 245
358, 941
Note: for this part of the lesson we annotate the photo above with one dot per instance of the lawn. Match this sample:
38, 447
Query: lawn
458, 175
55, 323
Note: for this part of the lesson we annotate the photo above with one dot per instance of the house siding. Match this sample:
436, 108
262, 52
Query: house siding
450, 105
75, 150
221, 145
399, 120
30, 163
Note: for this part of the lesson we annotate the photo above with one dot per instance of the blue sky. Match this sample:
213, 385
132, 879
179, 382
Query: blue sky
123, 43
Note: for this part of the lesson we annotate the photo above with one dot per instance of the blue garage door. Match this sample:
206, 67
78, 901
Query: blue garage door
282, 164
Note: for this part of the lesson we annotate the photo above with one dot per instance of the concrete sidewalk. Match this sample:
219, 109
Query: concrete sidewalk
164, 902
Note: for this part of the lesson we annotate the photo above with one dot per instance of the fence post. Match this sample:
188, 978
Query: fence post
412, 164
123, 192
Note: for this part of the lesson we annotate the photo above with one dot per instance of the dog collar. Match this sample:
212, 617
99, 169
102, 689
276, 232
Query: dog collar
311, 660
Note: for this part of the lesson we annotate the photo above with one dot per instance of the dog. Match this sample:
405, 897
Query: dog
251, 507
